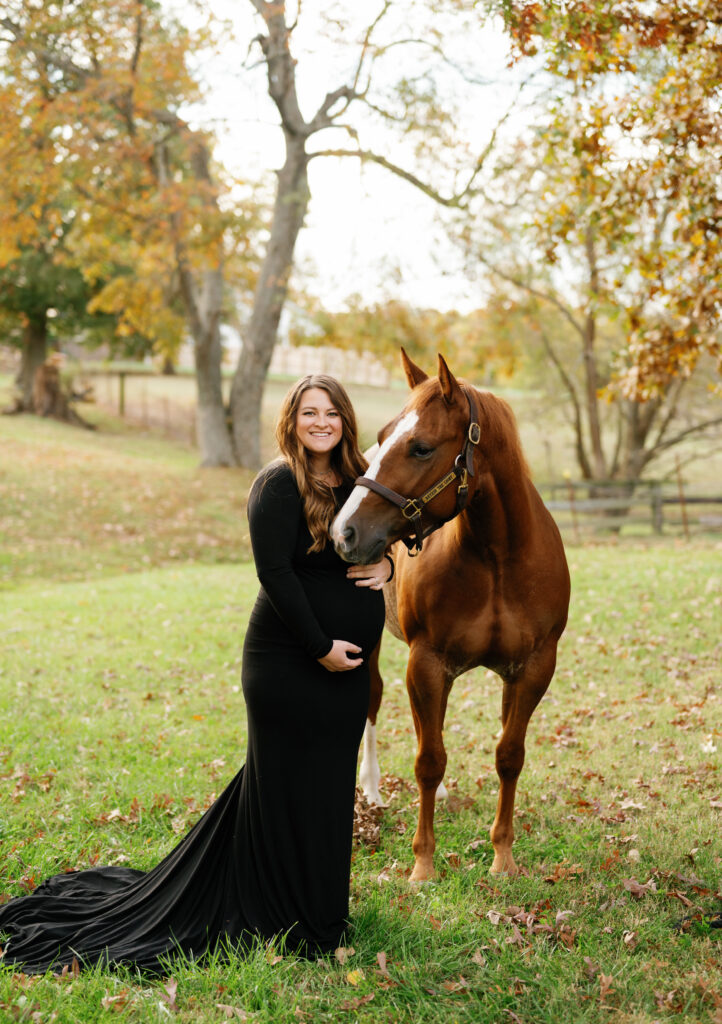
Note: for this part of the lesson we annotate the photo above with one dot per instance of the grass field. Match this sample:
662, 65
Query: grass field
124, 594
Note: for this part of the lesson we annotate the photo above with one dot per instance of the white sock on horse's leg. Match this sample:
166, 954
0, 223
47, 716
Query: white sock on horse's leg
442, 792
370, 774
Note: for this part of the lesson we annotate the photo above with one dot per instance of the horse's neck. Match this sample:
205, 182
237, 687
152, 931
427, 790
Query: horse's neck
499, 513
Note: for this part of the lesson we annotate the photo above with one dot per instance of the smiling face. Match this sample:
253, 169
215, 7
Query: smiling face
319, 426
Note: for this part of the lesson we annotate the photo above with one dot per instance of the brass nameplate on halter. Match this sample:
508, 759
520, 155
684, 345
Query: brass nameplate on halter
437, 488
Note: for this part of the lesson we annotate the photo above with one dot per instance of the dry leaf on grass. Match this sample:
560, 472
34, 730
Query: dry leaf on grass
233, 1011
456, 986
169, 994
359, 1001
605, 986
117, 1002
637, 890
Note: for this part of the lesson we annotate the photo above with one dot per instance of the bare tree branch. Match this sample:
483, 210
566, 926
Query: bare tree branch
537, 292
323, 118
694, 429
367, 42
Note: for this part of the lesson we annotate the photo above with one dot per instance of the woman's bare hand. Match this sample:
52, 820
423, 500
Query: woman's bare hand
339, 658
373, 576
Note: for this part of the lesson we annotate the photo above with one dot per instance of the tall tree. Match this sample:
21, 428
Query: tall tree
101, 83
406, 96
603, 221
640, 115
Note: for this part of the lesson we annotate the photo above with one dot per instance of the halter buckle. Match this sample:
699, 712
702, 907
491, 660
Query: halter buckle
411, 510
474, 433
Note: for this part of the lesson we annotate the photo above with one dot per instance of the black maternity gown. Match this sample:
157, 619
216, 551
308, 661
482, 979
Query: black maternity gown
272, 855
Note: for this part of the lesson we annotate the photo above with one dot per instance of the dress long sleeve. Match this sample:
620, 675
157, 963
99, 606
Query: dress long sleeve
275, 513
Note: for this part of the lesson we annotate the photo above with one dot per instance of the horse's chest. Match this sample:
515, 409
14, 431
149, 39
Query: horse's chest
470, 627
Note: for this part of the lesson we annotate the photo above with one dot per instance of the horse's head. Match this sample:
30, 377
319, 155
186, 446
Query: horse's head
419, 476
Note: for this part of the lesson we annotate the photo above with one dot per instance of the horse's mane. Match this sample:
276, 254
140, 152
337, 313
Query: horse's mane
498, 423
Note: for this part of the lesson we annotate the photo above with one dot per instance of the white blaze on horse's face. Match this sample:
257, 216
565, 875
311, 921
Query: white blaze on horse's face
404, 427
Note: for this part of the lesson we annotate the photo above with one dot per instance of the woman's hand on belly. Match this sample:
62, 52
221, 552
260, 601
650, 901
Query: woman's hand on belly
374, 575
340, 657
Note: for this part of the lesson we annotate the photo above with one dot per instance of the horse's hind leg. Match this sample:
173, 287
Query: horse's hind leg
520, 697
428, 684
369, 774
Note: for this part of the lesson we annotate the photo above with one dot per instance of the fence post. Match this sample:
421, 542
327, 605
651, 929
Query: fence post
682, 502
121, 394
657, 506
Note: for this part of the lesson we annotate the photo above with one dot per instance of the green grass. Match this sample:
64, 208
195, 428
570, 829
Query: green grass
121, 716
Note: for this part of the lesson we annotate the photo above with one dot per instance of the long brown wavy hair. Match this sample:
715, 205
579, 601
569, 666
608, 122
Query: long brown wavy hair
347, 461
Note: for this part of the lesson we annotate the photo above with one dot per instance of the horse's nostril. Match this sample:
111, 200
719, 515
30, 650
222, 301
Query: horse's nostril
349, 537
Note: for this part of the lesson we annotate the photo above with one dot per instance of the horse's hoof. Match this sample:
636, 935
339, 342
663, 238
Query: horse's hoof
504, 867
420, 875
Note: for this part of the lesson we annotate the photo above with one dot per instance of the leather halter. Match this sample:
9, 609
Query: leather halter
413, 508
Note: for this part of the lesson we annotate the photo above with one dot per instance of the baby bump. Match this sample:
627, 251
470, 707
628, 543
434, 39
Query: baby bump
347, 612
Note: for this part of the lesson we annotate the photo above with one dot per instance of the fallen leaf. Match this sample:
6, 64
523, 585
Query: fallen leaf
456, 986
355, 976
630, 939
563, 871
605, 986
630, 805
169, 994
343, 953
231, 1011
479, 958
118, 1002
381, 961
638, 890
592, 968
354, 1004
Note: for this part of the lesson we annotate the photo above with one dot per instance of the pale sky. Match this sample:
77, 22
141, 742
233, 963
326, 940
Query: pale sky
366, 231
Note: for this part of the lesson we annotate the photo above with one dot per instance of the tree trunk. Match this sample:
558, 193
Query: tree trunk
214, 438
34, 354
292, 197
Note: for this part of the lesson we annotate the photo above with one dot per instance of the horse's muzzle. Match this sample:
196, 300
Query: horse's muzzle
352, 548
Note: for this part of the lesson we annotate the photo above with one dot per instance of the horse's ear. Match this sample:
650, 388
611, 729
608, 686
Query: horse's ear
414, 374
450, 387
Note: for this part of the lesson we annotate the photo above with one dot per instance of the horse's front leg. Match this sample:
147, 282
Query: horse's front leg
369, 773
428, 684
521, 695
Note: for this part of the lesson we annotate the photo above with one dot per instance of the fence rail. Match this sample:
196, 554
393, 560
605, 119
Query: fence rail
651, 506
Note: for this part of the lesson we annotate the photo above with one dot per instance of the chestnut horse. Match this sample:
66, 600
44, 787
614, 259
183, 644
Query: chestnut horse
490, 588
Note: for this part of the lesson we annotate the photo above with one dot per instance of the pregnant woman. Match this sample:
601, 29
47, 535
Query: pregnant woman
272, 856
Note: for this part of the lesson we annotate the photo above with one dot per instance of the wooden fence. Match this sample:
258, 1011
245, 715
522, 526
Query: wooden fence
641, 507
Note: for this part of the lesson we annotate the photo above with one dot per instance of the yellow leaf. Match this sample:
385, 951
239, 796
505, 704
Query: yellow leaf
354, 977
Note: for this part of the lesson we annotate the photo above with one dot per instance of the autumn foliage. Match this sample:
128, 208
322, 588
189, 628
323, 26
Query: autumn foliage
643, 80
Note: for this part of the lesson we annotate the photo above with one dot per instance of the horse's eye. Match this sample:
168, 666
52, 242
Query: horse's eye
422, 451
